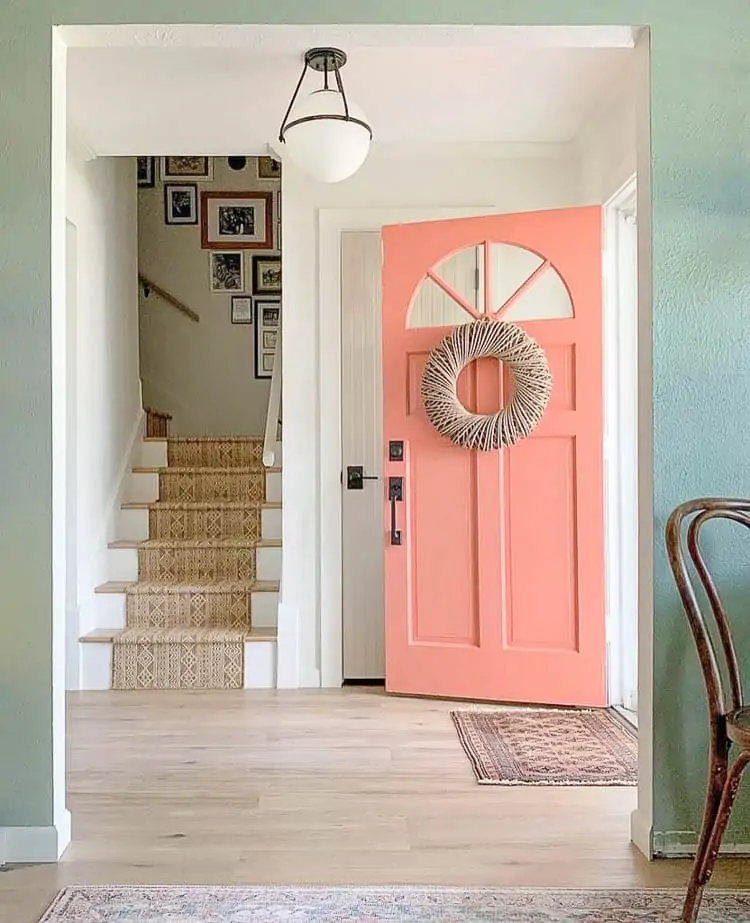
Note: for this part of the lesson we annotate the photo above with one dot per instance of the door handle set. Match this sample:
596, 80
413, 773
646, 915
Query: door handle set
395, 495
356, 477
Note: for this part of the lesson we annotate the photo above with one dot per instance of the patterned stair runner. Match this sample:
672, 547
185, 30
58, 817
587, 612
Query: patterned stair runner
189, 613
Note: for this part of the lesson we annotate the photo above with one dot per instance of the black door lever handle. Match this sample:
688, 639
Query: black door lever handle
395, 495
355, 477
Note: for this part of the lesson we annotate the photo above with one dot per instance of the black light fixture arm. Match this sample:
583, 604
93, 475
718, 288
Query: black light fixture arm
325, 60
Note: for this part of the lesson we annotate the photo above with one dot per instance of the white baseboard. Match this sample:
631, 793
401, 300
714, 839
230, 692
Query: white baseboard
682, 844
641, 833
23, 845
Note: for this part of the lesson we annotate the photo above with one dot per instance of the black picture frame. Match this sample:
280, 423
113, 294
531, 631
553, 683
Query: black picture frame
267, 317
171, 190
260, 287
146, 172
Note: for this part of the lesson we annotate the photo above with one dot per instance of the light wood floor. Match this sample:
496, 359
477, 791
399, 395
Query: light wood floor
315, 787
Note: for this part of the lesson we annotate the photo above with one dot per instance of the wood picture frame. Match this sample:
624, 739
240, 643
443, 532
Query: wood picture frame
266, 275
187, 169
237, 220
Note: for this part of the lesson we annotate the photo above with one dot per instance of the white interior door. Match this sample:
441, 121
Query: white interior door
361, 440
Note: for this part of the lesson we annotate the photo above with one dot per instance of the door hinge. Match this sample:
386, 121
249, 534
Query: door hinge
476, 280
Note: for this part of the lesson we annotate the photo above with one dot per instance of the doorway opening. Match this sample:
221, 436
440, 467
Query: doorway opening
406, 179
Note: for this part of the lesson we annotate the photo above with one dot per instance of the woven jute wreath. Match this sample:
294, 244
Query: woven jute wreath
532, 385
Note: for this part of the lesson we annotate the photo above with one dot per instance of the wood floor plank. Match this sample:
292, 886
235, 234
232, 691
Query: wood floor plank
343, 787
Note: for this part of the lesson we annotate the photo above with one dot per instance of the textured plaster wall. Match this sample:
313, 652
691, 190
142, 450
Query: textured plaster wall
701, 282
203, 374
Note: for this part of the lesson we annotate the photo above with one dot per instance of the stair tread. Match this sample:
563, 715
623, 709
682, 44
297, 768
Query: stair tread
200, 469
201, 505
225, 586
187, 543
108, 635
215, 439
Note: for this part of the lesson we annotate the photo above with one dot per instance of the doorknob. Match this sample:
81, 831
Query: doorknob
395, 495
356, 477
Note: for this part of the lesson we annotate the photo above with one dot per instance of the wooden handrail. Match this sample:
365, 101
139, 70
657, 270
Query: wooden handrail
149, 286
270, 439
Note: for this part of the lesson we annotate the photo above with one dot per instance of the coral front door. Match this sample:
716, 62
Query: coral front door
494, 561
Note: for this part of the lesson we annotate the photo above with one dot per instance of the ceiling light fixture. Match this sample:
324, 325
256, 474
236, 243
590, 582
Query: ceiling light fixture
326, 135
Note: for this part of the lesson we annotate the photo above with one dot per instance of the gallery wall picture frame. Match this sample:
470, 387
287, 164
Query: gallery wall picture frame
226, 271
267, 330
269, 168
266, 275
180, 203
146, 171
242, 309
240, 220
187, 169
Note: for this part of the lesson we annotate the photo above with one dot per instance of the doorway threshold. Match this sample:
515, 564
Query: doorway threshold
631, 717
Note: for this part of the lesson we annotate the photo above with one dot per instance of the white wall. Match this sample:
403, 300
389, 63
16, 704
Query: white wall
455, 176
606, 143
202, 374
101, 205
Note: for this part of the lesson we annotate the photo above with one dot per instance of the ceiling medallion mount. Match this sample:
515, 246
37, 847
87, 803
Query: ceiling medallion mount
325, 134
325, 59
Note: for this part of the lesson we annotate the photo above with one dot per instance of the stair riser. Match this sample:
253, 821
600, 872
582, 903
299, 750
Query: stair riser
134, 525
175, 665
204, 524
271, 524
268, 563
259, 665
154, 454
201, 454
206, 488
196, 565
273, 486
189, 610
142, 487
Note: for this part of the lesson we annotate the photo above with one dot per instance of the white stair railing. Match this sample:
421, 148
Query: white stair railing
271, 435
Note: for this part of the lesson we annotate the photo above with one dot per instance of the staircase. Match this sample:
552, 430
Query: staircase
192, 603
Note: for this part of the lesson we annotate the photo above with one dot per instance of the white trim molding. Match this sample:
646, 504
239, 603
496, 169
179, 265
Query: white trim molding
25, 845
620, 317
332, 222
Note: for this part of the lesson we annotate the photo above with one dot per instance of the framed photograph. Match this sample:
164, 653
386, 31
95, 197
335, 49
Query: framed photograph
268, 168
267, 320
184, 169
267, 275
146, 169
227, 272
243, 220
242, 309
181, 203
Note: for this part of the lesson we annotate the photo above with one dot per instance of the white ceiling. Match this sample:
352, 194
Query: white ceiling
160, 95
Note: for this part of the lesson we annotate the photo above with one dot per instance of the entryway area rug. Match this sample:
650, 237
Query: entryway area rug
382, 905
531, 746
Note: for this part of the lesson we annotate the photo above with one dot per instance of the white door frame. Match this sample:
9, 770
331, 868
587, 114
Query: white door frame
331, 224
621, 442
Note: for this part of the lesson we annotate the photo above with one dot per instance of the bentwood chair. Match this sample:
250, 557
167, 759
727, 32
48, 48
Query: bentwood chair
729, 718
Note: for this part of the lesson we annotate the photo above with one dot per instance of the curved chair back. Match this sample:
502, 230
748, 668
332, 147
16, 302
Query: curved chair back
684, 531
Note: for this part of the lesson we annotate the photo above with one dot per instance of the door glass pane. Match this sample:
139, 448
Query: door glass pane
432, 306
545, 297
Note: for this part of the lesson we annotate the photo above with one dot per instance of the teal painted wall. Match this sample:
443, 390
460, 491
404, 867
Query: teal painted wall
701, 229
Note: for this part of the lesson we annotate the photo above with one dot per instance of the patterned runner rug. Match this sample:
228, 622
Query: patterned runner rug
382, 905
530, 746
